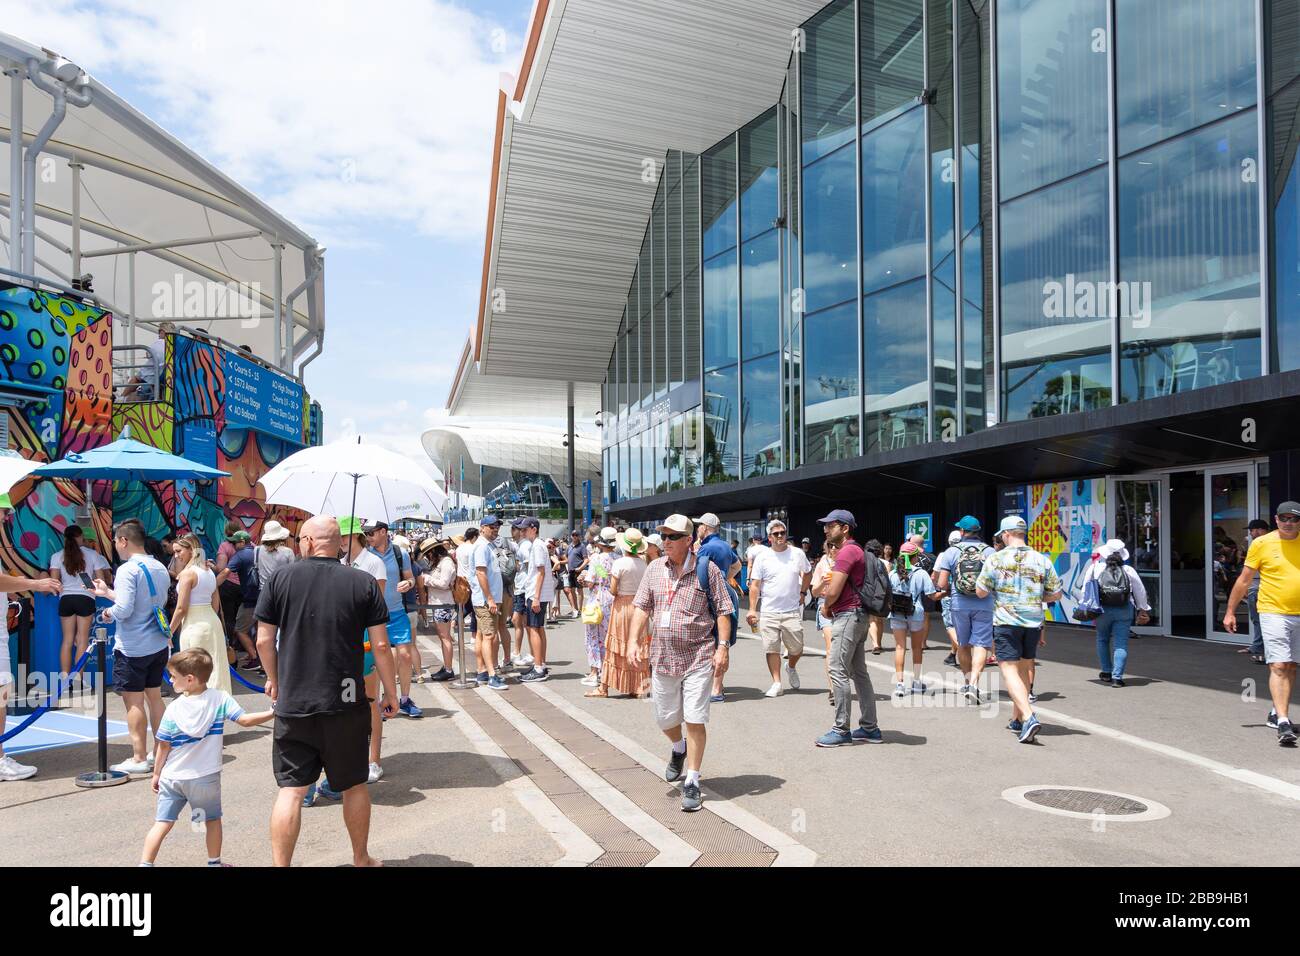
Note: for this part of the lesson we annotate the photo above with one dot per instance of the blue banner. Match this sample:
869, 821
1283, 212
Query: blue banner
586, 503
259, 399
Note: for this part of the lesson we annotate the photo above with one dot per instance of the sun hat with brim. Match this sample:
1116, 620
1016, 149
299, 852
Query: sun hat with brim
1113, 546
274, 531
608, 536
350, 526
632, 541
656, 540
677, 524
458, 539
402, 541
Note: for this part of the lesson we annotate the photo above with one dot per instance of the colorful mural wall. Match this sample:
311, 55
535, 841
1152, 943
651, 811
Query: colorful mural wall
1067, 522
215, 406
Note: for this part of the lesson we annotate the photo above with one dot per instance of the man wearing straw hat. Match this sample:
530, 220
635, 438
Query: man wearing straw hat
681, 618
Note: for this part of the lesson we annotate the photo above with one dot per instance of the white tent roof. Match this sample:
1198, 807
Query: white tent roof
501, 447
139, 185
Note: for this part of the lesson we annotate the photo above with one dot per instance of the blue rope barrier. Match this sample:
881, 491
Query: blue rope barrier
45, 708
235, 674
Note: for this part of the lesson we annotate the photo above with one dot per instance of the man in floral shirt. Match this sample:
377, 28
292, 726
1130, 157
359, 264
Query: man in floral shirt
680, 616
1021, 581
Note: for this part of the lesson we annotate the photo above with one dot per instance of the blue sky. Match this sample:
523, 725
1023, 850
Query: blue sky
280, 96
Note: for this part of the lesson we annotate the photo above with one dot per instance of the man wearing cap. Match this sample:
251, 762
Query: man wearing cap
521, 658
398, 579
674, 608
779, 578
945, 608
1020, 581
1275, 558
577, 557
712, 549
487, 592
848, 659
540, 591
972, 616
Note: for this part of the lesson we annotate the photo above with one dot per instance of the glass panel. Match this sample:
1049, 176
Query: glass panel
896, 383
943, 302
1180, 65
1051, 90
943, 288
1055, 256
691, 283
828, 80
647, 359
830, 230
758, 175
634, 467
721, 454
663, 467
760, 284
674, 251
1137, 524
1189, 262
893, 202
676, 450
720, 310
718, 197
1284, 175
760, 416
831, 401
660, 226
1229, 515
661, 348
891, 54
693, 473
972, 318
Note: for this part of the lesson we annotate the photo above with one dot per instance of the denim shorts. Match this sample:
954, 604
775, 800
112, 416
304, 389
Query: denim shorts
914, 622
536, 618
203, 794
974, 628
520, 606
945, 607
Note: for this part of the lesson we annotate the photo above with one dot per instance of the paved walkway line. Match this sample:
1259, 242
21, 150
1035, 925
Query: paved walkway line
579, 849
1250, 777
790, 852
673, 851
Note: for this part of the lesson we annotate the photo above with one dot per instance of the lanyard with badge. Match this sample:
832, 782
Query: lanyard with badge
665, 616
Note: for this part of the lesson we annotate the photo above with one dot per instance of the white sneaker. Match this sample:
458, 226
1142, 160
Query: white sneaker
525, 660
792, 676
11, 769
588, 681
775, 690
133, 767
900, 690
376, 772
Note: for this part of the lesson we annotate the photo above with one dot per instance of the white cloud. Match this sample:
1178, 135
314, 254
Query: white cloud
335, 112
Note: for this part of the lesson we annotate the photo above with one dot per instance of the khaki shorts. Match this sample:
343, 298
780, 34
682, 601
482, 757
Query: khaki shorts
682, 699
778, 629
489, 624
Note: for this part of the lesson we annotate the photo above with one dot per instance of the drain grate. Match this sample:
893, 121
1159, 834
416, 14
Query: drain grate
1090, 802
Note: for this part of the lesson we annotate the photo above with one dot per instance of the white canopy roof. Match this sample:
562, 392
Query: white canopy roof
501, 448
139, 186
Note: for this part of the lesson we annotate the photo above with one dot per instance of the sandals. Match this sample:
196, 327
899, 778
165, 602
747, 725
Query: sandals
596, 693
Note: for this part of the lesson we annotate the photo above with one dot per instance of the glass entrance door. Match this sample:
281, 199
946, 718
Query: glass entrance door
1231, 501
1138, 505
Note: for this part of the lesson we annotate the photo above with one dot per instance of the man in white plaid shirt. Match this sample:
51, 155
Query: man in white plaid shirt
688, 645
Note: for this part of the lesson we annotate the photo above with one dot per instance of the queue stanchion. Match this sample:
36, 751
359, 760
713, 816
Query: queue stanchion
103, 777
462, 682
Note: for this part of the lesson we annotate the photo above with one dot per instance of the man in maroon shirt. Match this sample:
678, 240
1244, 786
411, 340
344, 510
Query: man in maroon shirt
848, 657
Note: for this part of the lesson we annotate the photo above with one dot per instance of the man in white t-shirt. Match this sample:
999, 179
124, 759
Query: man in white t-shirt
756, 547
519, 607
780, 577
11, 769
538, 593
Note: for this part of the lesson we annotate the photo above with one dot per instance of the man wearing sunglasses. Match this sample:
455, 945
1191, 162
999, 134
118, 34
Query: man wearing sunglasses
1275, 557
674, 610
780, 579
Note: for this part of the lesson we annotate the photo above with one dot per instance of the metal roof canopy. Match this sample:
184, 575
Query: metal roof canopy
513, 397
117, 196
607, 86
504, 447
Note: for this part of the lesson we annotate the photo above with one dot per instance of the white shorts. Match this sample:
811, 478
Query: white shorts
682, 699
777, 629
1281, 633
6, 670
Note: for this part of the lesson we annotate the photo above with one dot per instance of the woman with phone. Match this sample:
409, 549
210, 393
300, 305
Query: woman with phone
197, 618
76, 567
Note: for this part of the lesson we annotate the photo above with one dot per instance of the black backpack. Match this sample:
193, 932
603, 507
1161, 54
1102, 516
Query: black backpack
875, 593
1112, 584
902, 601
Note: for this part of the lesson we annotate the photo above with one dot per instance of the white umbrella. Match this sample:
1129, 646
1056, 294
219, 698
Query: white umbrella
349, 478
13, 469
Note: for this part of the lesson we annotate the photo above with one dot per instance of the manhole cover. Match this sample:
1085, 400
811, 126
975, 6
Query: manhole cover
1086, 803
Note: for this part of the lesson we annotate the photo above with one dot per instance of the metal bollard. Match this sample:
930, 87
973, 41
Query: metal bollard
103, 777
462, 682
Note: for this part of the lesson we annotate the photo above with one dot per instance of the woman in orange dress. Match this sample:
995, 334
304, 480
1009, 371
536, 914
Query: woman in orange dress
619, 673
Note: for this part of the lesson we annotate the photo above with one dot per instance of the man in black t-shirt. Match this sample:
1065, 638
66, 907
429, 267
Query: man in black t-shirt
317, 618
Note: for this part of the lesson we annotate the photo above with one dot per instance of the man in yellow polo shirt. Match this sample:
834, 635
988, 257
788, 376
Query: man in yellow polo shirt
1275, 557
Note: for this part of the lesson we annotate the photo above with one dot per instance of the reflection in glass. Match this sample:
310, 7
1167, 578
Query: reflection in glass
721, 438
760, 416
758, 175
720, 310
760, 284
831, 403
693, 466
1051, 90
1284, 179
972, 318
893, 201
691, 255
1189, 253
718, 197
896, 384
828, 80
1137, 523
1181, 65
1055, 337
891, 54
1229, 515
830, 230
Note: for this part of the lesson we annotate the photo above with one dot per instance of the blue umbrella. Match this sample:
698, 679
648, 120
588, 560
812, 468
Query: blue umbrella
127, 460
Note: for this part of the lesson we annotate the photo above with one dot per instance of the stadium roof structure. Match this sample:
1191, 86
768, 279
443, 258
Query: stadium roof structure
132, 205
569, 198
502, 448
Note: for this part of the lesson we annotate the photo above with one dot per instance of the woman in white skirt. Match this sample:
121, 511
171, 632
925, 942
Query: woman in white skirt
198, 610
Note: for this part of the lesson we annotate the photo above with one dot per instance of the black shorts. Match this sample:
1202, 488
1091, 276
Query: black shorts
136, 674
536, 618
520, 606
1012, 644
76, 605
337, 743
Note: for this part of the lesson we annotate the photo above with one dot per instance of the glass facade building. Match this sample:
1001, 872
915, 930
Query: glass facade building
961, 214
